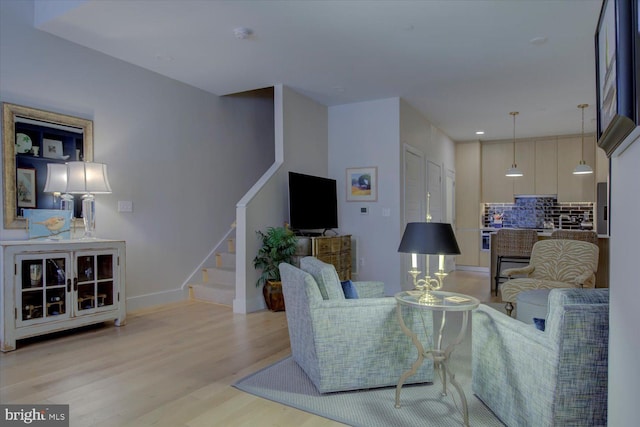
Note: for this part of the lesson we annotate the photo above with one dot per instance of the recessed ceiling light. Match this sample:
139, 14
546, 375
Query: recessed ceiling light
242, 32
479, 132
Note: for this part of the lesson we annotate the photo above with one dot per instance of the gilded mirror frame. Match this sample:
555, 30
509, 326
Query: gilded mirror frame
9, 114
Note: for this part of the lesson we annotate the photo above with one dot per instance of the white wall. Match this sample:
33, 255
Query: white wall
301, 145
418, 132
183, 156
372, 134
624, 316
362, 135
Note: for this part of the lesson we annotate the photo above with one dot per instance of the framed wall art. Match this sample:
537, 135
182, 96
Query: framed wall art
26, 187
50, 224
362, 184
52, 149
57, 137
616, 72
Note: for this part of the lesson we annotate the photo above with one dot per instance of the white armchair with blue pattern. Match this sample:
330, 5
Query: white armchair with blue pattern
347, 344
555, 377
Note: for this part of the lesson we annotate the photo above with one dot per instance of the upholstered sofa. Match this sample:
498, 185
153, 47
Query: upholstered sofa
555, 377
347, 344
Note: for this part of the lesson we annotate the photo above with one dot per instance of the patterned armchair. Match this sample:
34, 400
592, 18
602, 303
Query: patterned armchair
555, 377
554, 263
347, 344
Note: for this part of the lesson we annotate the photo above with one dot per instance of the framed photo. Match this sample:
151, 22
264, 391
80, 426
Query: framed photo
26, 187
362, 184
52, 148
52, 224
615, 69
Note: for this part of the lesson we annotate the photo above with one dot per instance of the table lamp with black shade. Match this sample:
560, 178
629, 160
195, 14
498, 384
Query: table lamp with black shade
428, 238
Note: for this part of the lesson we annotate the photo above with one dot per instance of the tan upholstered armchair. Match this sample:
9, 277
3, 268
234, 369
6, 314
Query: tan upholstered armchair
554, 263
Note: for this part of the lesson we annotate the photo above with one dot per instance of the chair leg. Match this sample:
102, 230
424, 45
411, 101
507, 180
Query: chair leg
509, 308
497, 278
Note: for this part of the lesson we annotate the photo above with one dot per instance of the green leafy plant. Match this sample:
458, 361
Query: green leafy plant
278, 245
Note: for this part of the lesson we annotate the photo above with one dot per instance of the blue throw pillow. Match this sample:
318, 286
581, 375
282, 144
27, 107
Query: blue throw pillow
349, 289
539, 323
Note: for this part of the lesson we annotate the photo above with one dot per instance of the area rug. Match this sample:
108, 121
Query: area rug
421, 405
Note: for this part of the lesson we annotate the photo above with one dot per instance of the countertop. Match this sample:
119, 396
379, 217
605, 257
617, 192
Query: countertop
541, 232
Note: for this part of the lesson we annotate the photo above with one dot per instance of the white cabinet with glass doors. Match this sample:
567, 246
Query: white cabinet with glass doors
52, 286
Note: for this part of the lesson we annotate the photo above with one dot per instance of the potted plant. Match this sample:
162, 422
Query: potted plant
278, 245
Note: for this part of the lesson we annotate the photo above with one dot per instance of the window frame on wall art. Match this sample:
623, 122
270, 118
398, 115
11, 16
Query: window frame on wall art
26, 176
362, 195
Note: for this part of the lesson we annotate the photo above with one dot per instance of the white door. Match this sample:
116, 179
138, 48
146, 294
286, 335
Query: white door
434, 188
450, 211
414, 206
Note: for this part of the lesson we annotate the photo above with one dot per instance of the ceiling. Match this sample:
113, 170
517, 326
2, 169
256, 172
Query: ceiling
464, 64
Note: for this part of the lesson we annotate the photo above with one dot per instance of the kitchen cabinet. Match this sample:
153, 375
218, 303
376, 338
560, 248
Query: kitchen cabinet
469, 242
56, 285
468, 212
547, 165
467, 158
602, 166
546, 170
575, 188
497, 157
526, 161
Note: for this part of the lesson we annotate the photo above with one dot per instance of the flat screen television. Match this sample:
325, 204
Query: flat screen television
313, 202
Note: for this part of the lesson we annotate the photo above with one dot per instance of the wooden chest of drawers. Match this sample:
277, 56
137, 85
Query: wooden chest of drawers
334, 250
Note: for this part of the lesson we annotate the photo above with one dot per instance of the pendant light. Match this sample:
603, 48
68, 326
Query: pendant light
583, 168
513, 170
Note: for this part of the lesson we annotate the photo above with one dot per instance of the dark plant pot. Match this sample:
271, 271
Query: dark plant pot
273, 297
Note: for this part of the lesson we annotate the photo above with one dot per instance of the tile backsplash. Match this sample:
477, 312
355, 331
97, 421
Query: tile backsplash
533, 211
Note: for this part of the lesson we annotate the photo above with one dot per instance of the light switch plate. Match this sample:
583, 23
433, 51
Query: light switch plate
125, 206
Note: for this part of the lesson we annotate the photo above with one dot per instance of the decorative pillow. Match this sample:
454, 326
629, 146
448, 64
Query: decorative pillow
539, 323
349, 289
325, 275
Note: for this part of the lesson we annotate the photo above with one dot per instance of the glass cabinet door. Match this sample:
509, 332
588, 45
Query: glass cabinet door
95, 289
43, 288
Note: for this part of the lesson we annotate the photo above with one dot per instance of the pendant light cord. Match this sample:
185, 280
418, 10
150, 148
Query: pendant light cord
582, 107
514, 114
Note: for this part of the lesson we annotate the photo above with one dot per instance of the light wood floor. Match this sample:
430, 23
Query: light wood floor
169, 366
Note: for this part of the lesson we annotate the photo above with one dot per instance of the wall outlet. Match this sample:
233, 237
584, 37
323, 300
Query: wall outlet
125, 206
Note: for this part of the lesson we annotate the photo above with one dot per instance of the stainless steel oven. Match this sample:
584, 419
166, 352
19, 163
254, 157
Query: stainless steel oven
485, 239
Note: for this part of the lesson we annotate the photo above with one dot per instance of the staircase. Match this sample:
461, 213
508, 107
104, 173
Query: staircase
218, 283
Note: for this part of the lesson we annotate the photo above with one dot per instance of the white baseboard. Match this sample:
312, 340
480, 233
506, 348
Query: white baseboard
157, 298
249, 306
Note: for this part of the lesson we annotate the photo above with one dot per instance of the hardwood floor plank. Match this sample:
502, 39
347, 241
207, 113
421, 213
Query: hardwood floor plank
172, 366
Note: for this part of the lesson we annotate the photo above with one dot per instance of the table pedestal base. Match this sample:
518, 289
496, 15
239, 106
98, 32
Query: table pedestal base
440, 359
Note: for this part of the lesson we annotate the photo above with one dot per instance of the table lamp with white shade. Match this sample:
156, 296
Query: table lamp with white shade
88, 178
56, 183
